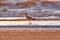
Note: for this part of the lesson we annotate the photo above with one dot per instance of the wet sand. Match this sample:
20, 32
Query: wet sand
30, 35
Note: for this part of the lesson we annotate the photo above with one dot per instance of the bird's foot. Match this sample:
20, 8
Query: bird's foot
30, 23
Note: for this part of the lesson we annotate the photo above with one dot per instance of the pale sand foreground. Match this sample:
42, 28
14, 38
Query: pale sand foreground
29, 33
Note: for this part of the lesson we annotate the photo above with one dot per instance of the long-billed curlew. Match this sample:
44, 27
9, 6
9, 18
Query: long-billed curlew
29, 18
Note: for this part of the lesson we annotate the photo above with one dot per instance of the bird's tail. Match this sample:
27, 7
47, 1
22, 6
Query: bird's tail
34, 19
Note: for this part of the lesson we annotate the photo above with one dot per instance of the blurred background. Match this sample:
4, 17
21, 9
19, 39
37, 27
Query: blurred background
38, 9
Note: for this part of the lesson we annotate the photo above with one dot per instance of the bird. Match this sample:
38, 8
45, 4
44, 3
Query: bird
29, 18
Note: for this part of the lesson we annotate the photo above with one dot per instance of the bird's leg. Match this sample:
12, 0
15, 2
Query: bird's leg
30, 22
